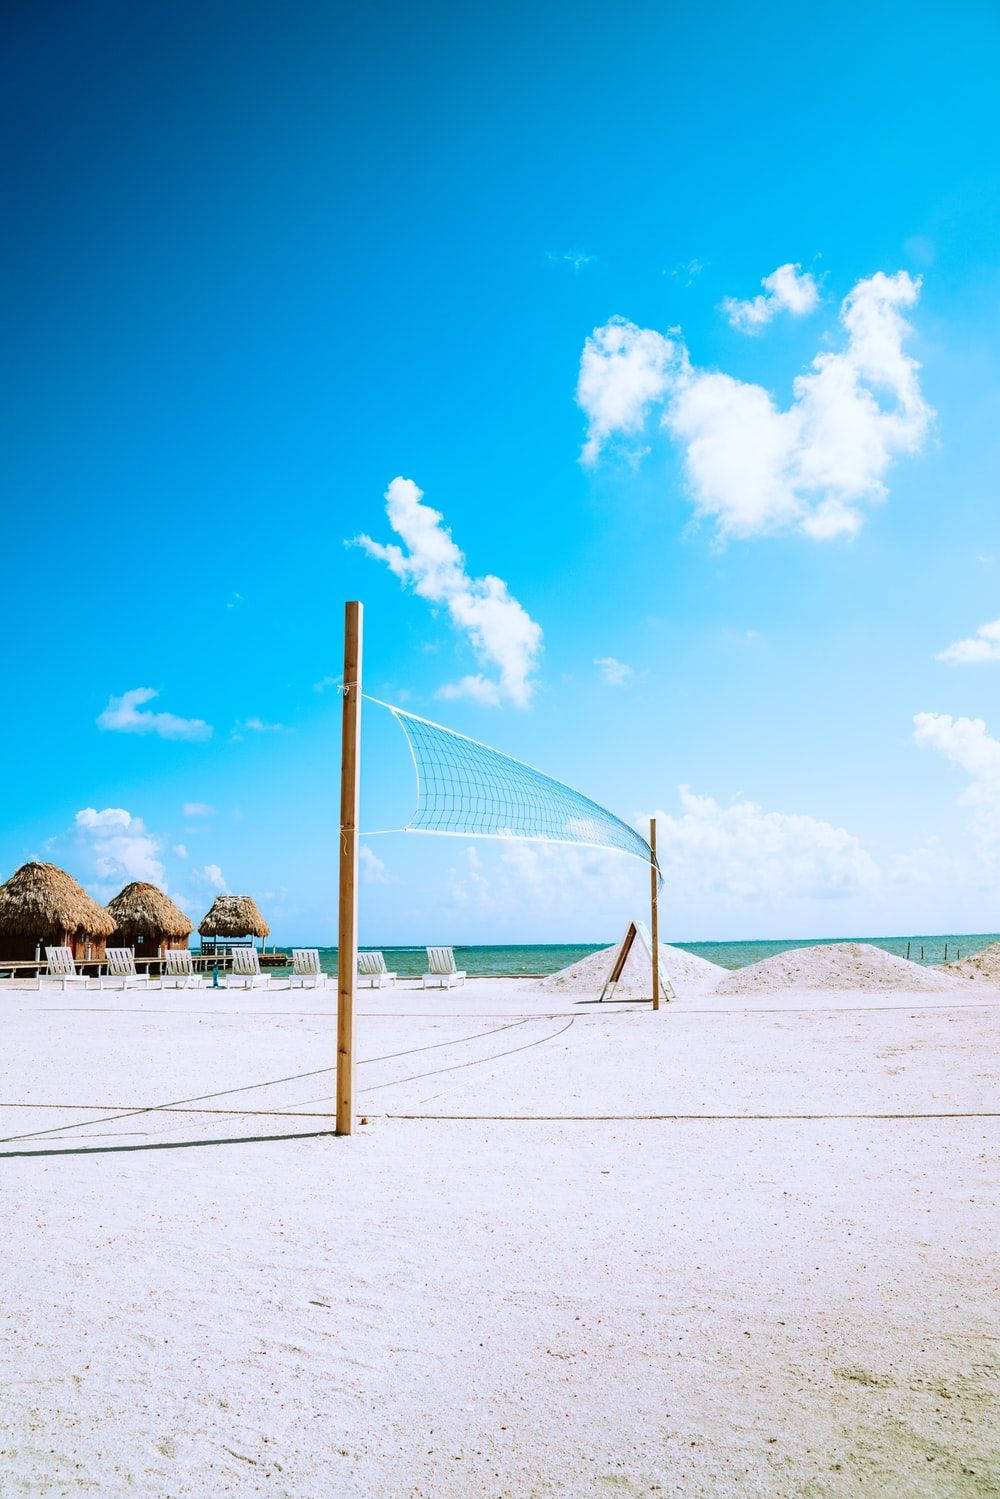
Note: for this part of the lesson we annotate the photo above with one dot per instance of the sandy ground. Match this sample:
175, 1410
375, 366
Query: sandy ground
740, 1247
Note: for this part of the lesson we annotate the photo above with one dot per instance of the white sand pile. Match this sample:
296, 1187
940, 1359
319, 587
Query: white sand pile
688, 973
984, 966
835, 965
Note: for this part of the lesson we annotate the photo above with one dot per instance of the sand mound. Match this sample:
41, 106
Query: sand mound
688, 973
984, 966
835, 965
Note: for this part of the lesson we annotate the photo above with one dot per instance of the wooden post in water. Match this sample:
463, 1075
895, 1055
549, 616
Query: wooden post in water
347, 913
654, 914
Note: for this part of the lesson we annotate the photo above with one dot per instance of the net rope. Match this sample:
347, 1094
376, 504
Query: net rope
467, 789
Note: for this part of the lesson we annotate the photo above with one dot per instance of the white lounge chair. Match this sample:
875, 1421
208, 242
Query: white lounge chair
305, 968
60, 968
178, 971
121, 972
443, 973
372, 970
245, 972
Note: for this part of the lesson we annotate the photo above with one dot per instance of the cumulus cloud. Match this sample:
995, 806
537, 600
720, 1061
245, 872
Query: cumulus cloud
788, 289
614, 673
373, 870
180, 849
967, 743
501, 631
120, 847
983, 646
211, 876
477, 688
746, 854
125, 715
752, 466
557, 880
624, 372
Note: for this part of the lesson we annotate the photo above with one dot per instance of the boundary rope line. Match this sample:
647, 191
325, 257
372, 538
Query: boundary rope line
679, 1118
475, 1062
521, 1118
250, 1087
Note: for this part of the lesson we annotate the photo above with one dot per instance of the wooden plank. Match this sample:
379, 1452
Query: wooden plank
347, 914
618, 966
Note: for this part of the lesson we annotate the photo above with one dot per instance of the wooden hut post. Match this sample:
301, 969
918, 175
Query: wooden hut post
654, 913
347, 916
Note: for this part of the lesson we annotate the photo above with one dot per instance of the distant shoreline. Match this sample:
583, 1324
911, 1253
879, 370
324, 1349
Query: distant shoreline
509, 960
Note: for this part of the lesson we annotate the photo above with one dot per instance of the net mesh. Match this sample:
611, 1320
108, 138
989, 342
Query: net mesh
467, 789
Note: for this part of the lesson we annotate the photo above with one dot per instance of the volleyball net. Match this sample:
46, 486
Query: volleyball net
468, 789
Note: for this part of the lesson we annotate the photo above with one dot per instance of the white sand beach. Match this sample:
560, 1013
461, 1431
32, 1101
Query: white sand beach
746, 1245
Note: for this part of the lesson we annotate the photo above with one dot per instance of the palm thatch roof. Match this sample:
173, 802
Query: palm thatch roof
142, 910
42, 901
234, 916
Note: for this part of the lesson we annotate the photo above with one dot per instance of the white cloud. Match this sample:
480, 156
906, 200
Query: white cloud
687, 271
575, 258
788, 289
197, 809
123, 715
468, 885
258, 726
212, 876
120, 847
741, 853
479, 688
557, 880
967, 743
751, 466
614, 673
373, 870
983, 646
500, 630
180, 850
624, 371
325, 682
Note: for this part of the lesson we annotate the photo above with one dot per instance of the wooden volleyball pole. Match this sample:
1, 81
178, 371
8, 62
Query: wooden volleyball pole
347, 914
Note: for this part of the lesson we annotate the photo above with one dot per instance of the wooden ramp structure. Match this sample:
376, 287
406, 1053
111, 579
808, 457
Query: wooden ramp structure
637, 929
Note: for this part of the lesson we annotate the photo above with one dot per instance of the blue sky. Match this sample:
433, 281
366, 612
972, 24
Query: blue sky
260, 263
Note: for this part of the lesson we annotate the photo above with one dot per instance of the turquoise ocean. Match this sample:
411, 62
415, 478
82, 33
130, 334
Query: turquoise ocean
536, 959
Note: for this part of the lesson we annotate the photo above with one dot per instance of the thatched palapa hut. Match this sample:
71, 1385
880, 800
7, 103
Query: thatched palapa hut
43, 906
233, 921
148, 920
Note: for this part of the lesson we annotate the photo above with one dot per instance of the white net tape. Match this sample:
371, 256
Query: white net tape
467, 789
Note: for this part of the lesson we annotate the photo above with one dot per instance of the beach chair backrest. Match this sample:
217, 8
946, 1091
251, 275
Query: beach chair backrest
305, 962
59, 960
121, 962
370, 963
441, 959
179, 964
246, 962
